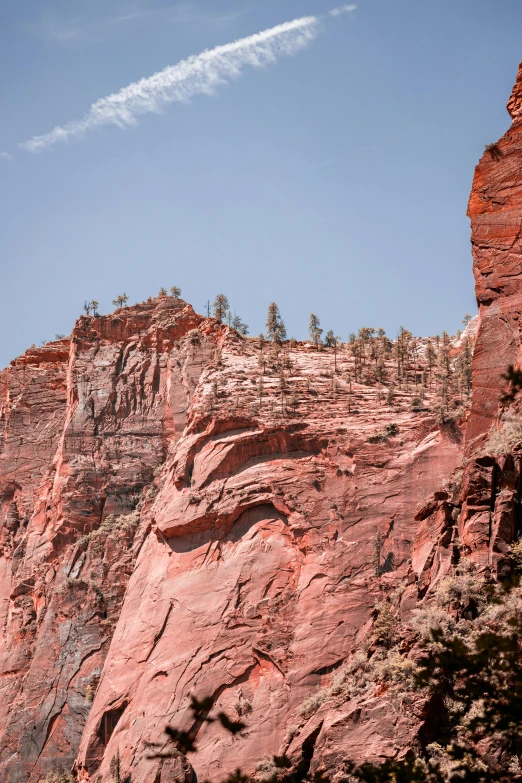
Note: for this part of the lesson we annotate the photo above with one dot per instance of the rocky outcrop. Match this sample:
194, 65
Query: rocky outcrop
495, 209
272, 539
177, 520
85, 423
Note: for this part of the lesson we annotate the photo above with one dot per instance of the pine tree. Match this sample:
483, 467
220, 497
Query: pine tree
162, 292
332, 341
120, 301
115, 768
356, 349
402, 349
220, 307
175, 292
274, 325
380, 369
314, 330
366, 333
238, 325
94, 306
430, 356
329, 339
464, 366
282, 389
260, 390
349, 381
414, 348
443, 374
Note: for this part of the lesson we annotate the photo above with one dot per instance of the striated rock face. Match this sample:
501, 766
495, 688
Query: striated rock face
271, 540
84, 425
173, 526
495, 209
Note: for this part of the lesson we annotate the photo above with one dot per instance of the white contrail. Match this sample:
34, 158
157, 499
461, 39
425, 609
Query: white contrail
342, 9
197, 74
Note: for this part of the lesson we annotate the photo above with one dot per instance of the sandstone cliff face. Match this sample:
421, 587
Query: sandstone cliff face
271, 540
495, 209
85, 423
170, 527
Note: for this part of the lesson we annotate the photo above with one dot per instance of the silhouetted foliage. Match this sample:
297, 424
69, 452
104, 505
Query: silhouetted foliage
513, 378
494, 150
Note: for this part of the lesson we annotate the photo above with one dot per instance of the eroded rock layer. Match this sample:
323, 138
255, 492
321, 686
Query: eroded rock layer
85, 424
270, 541
177, 520
495, 209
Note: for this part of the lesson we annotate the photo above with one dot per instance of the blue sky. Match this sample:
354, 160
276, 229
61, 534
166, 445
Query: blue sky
334, 179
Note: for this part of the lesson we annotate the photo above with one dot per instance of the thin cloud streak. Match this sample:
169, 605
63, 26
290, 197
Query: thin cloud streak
84, 30
342, 9
197, 75
6, 155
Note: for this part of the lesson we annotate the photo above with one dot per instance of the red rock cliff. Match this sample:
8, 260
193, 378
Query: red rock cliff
495, 209
84, 424
168, 529
259, 571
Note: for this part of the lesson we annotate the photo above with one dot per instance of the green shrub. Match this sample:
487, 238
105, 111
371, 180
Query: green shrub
266, 770
58, 777
515, 551
385, 626
126, 523
505, 439
389, 431
395, 668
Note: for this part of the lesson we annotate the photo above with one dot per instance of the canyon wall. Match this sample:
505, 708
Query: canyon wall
495, 209
84, 423
177, 520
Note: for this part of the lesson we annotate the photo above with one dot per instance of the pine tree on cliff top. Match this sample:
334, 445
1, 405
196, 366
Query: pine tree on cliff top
220, 307
332, 341
175, 292
314, 329
275, 327
121, 301
239, 325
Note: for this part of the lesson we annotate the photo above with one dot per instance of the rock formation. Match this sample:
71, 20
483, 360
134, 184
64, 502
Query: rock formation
186, 511
495, 209
251, 523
